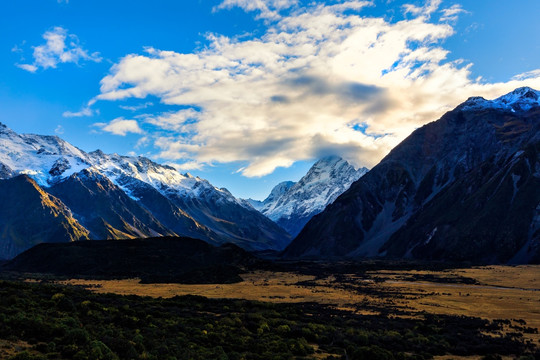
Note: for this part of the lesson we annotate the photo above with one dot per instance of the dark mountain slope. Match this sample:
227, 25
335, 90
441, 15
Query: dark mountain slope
451, 166
489, 215
28, 216
247, 228
168, 213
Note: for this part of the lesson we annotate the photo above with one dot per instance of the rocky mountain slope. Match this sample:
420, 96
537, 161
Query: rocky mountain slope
113, 196
465, 187
29, 216
291, 205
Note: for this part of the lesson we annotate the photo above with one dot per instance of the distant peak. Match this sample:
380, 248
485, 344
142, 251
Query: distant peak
521, 93
474, 99
520, 99
524, 90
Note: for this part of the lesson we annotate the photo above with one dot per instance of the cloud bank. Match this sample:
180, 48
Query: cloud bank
322, 80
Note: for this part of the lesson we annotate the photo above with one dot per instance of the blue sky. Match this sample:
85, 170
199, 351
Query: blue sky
250, 93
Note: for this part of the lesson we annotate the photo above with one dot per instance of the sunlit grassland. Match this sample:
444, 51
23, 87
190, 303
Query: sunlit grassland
498, 292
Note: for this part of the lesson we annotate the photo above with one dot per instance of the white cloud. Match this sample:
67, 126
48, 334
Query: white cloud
452, 13
120, 126
136, 107
181, 121
267, 9
59, 130
429, 8
188, 165
300, 90
85, 111
28, 67
143, 141
59, 47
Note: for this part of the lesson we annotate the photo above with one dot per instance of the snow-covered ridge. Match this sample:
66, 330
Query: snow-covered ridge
324, 182
521, 99
291, 204
49, 159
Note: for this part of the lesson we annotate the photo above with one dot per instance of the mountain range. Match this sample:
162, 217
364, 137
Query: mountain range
52, 191
463, 188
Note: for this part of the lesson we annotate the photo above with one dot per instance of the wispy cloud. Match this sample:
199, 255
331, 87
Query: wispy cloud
136, 107
189, 165
85, 111
429, 8
302, 89
120, 126
266, 9
182, 121
28, 67
59, 130
59, 47
452, 13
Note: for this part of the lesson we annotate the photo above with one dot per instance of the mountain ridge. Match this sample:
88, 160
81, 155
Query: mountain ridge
199, 209
378, 213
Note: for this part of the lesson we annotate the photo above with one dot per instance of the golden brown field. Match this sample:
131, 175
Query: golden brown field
501, 292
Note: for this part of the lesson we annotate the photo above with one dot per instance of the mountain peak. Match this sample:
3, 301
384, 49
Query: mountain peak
292, 204
4, 129
520, 99
521, 94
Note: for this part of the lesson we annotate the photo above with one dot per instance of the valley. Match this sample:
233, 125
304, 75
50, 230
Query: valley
270, 180
459, 312
490, 292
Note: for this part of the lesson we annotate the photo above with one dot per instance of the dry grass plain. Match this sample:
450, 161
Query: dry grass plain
497, 292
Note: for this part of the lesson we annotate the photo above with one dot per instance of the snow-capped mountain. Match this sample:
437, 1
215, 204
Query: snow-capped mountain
521, 99
465, 187
159, 200
49, 159
44, 158
291, 205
